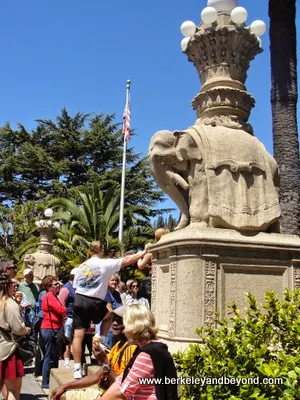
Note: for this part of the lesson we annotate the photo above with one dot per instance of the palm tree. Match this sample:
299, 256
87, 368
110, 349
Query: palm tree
284, 96
95, 216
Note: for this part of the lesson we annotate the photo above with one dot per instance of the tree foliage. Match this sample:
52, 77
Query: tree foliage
169, 222
71, 152
18, 230
67, 159
262, 344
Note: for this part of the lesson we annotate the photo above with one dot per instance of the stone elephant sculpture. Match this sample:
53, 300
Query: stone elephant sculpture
218, 176
169, 173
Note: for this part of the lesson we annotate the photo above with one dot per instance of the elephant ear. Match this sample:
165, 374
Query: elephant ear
186, 148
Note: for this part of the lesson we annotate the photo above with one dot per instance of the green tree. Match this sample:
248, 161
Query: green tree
171, 224
284, 96
71, 152
160, 222
18, 230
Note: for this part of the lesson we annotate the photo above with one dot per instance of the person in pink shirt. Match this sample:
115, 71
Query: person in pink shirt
151, 360
54, 314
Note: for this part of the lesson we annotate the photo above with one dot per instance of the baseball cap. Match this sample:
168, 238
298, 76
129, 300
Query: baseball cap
27, 271
120, 311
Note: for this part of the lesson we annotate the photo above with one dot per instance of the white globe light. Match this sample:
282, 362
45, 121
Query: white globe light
37, 223
48, 212
222, 5
239, 15
49, 222
56, 225
258, 27
188, 28
209, 15
184, 43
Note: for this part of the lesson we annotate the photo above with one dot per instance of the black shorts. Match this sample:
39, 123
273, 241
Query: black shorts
87, 309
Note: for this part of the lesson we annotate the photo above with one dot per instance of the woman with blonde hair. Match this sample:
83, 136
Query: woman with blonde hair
151, 360
12, 326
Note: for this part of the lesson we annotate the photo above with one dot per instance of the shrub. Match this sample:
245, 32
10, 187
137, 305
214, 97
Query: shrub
264, 343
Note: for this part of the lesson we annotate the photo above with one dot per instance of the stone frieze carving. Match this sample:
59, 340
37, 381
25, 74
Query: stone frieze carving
153, 286
210, 290
297, 277
172, 321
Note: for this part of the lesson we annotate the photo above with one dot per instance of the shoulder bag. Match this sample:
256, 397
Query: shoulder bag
25, 346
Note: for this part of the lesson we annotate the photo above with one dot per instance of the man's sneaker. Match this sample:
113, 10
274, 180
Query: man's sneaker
77, 373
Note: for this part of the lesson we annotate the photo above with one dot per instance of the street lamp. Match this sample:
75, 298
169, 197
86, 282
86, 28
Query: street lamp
219, 13
47, 227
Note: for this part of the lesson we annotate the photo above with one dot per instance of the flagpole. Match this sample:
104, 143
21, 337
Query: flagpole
121, 223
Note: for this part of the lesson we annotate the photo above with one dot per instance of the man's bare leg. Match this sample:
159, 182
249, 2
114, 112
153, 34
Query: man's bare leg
77, 351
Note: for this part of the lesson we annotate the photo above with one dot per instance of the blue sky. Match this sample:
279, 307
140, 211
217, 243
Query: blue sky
79, 54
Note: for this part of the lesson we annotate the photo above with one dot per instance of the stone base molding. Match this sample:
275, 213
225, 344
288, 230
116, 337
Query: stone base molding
197, 271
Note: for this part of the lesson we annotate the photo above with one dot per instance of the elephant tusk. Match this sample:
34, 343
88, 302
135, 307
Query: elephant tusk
178, 180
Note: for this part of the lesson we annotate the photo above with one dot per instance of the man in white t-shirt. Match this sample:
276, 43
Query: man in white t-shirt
91, 281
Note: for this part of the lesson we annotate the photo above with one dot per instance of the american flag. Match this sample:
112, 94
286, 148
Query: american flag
126, 120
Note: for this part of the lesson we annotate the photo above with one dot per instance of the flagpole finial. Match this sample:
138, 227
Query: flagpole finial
128, 83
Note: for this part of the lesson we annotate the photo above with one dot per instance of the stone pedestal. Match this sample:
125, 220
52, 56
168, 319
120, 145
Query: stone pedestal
198, 270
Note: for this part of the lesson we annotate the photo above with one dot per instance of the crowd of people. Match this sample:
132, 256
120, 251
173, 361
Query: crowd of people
60, 318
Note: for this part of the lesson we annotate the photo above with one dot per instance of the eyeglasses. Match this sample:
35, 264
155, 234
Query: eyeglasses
55, 284
134, 286
15, 268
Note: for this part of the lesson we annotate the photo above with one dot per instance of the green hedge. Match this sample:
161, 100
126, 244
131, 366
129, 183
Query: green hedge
262, 344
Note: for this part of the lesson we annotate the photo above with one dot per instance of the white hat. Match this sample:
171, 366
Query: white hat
73, 271
27, 271
120, 311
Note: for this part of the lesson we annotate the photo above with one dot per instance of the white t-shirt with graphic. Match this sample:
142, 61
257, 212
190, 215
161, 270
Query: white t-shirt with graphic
92, 276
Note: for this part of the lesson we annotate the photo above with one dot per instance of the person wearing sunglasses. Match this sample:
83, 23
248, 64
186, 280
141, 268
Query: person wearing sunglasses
54, 314
133, 295
7, 266
113, 363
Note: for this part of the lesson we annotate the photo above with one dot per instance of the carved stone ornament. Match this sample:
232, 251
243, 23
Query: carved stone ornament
222, 52
241, 101
210, 291
43, 262
216, 171
297, 277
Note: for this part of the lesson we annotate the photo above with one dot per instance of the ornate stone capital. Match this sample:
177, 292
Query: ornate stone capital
222, 52
224, 101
